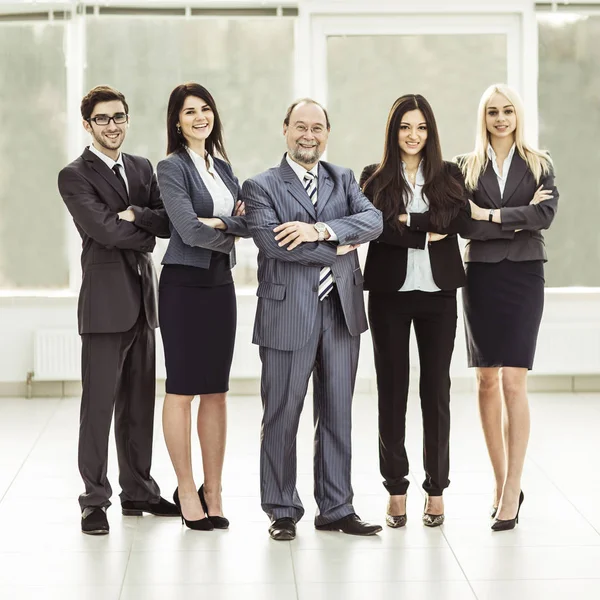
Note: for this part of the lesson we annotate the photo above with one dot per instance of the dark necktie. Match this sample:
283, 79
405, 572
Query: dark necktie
117, 171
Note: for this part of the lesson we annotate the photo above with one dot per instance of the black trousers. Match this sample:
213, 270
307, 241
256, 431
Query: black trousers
118, 374
434, 316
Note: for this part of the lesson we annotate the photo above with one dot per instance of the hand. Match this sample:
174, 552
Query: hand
213, 222
294, 233
478, 213
240, 209
127, 215
403, 218
541, 195
341, 250
436, 237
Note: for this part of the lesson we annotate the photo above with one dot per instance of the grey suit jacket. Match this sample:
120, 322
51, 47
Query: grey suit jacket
288, 280
186, 198
501, 241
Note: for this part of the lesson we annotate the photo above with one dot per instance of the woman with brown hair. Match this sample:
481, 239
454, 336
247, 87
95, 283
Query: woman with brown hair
412, 273
197, 305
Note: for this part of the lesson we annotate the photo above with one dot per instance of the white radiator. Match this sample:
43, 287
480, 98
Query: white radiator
56, 355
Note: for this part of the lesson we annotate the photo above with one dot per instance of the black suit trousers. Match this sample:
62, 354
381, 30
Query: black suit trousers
434, 316
118, 374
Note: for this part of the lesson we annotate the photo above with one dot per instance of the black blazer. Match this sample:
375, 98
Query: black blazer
116, 260
502, 241
385, 268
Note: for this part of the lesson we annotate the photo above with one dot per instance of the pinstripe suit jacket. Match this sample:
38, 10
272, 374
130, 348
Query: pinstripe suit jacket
288, 280
186, 198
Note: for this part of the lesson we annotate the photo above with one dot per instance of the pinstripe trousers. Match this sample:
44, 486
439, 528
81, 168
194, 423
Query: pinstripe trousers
331, 356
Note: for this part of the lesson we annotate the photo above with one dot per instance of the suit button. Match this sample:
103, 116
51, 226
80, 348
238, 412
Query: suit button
315, 288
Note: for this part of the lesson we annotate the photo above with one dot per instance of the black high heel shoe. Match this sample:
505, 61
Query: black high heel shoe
507, 524
198, 525
218, 522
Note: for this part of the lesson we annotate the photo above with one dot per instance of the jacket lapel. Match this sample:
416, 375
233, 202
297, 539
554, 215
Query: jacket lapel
295, 187
199, 185
489, 182
518, 168
134, 181
102, 169
324, 190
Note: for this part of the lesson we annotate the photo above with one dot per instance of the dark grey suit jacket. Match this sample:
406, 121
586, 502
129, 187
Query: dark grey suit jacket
186, 198
118, 274
516, 213
288, 280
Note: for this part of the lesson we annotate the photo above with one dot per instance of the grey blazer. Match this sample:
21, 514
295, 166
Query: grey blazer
288, 280
516, 213
186, 198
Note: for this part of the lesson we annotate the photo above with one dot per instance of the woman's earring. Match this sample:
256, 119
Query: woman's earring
178, 127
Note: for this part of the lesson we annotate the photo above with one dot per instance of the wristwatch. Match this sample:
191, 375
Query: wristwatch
491, 215
321, 229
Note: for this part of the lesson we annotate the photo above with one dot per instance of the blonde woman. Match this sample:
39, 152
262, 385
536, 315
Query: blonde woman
512, 186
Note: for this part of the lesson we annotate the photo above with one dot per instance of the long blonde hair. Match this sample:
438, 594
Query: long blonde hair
475, 163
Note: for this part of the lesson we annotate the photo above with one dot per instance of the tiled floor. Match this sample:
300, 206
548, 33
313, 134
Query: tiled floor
553, 554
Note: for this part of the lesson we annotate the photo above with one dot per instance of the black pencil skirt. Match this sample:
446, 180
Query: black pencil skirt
197, 325
503, 305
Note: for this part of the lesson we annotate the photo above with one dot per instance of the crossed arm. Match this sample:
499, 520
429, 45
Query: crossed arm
272, 236
96, 219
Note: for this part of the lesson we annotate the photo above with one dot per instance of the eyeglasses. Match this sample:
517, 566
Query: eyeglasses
102, 120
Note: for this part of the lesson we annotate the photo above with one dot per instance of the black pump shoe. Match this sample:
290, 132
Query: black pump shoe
218, 522
198, 525
508, 524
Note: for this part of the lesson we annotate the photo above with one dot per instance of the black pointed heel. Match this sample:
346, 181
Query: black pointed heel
198, 525
218, 522
508, 524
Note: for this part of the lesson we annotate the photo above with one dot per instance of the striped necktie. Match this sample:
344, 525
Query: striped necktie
325, 275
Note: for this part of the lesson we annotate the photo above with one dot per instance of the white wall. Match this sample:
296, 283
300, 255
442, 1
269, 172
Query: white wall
568, 347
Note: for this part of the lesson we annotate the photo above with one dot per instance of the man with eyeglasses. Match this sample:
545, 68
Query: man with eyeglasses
117, 208
307, 218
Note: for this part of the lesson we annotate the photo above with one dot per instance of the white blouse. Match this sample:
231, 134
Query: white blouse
419, 275
221, 196
505, 166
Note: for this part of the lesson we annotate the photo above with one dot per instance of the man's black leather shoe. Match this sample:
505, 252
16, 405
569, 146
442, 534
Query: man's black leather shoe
94, 521
352, 525
283, 529
162, 508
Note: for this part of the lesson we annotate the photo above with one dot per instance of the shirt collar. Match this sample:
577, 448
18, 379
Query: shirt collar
492, 154
200, 161
300, 170
420, 178
110, 163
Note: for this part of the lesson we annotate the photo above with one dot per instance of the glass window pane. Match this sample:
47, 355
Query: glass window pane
569, 97
234, 58
367, 73
33, 221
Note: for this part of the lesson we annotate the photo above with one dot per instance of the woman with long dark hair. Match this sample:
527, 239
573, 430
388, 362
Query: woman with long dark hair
412, 273
513, 191
197, 306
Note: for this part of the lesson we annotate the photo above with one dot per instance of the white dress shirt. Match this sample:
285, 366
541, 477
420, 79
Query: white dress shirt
505, 166
110, 163
301, 172
419, 276
221, 196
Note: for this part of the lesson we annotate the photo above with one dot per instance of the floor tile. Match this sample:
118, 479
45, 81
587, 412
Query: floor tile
411, 590
572, 589
348, 564
255, 591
